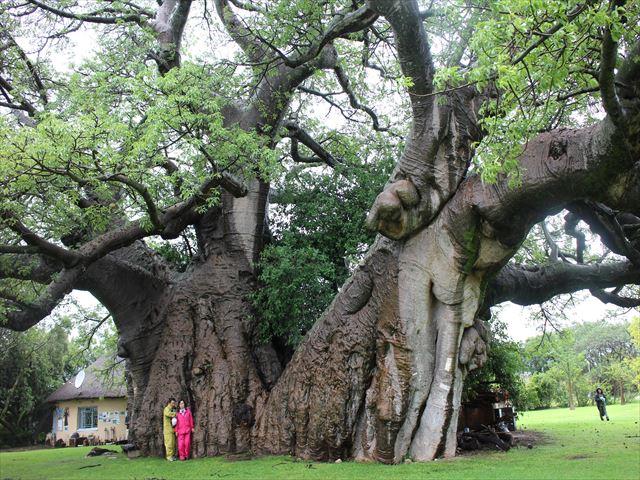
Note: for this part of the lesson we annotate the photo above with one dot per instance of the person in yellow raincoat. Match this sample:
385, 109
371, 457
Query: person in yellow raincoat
168, 414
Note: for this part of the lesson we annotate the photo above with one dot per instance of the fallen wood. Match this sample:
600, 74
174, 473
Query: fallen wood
488, 436
97, 451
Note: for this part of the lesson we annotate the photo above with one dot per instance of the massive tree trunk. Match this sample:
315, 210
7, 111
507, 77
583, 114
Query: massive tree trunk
391, 354
206, 348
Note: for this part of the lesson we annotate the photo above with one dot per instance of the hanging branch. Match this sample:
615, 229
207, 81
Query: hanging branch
297, 134
343, 80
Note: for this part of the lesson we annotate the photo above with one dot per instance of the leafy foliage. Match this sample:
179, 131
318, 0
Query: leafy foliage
318, 235
32, 365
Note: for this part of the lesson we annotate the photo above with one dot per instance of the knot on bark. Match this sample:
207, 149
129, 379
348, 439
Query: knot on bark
393, 213
473, 348
557, 148
243, 415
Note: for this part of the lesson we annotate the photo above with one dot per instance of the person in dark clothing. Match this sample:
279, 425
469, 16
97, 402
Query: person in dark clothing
601, 403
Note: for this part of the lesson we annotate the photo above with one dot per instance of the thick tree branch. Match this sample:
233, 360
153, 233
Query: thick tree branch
169, 23
550, 241
22, 103
19, 249
566, 165
628, 82
15, 106
604, 222
531, 285
29, 315
255, 50
35, 76
68, 257
347, 21
571, 228
611, 297
412, 44
608, 57
34, 268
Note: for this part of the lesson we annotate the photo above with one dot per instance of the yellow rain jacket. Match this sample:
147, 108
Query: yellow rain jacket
169, 437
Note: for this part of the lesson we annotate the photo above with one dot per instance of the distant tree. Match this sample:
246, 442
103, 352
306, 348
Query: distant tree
540, 391
604, 342
564, 367
568, 367
634, 362
620, 377
537, 354
32, 365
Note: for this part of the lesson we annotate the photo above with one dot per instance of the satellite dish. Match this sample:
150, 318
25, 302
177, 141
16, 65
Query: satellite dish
79, 378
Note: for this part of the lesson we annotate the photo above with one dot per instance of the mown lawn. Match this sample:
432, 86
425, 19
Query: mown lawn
579, 446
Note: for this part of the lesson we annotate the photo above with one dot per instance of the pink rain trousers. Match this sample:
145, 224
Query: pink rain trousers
183, 432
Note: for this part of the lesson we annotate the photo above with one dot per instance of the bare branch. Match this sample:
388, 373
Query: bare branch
298, 134
85, 17
603, 221
353, 101
571, 228
550, 241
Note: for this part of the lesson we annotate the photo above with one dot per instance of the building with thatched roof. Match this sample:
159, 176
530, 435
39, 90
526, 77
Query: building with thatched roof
92, 404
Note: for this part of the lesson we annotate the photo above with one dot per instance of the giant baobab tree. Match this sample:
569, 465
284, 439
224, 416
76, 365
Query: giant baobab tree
508, 113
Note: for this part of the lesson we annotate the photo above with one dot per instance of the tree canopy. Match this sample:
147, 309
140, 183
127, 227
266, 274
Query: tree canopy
122, 147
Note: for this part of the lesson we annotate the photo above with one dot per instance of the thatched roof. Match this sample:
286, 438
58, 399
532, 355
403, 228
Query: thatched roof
101, 380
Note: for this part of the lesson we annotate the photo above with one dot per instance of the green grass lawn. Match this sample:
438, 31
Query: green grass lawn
579, 446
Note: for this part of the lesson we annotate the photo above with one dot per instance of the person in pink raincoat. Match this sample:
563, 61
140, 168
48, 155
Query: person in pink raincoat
184, 429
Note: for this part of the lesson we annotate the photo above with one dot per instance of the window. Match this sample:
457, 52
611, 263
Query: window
88, 417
